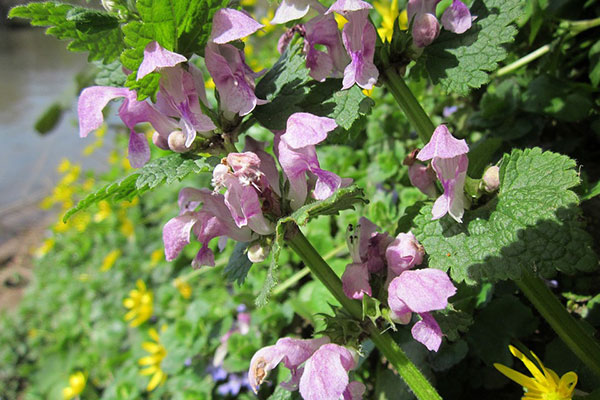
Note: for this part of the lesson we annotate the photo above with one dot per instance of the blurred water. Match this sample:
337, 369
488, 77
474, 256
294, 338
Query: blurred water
35, 71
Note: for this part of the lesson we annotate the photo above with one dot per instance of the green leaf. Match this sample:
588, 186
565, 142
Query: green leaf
238, 266
283, 394
594, 56
452, 322
342, 199
290, 89
533, 224
110, 74
461, 62
162, 170
182, 26
89, 30
49, 119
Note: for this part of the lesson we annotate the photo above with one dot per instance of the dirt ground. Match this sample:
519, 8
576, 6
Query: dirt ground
21, 232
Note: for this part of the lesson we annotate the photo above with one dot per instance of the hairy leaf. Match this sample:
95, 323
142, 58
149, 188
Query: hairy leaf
533, 224
182, 26
162, 170
238, 266
88, 30
110, 74
461, 62
290, 89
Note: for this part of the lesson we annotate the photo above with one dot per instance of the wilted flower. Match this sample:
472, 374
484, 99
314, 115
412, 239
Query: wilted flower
449, 161
152, 362
544, 384
76, 386
421, 291
139, 304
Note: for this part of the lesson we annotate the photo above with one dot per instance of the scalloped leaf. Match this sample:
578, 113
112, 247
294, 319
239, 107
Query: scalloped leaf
162, 170
533, 224
462, 62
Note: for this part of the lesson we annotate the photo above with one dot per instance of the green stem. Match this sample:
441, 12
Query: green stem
409, 104
576, 27
384, 342
534, 55
568, 328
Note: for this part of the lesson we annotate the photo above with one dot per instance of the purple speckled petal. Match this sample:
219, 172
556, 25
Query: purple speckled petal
139, 150
404, 253
304, 129
156, 57
428, 332
346, 6
426, 29
354, 391
230, 24
176, 234
457, 18
452, 174
423, 290
443, 145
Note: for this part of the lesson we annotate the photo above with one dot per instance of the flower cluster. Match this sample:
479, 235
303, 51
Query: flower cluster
151, 362
319, 369
420, 291
425, 25
252, 198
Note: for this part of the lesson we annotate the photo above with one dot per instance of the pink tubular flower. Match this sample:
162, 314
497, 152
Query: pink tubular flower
421, 291
293, 353
212, 220
368, 250
297, 155
403, 253
226, 64
290, 10
92, 101
449, 161
323, 30
243, 180
422, 178
425, 26
324, 375
359, 38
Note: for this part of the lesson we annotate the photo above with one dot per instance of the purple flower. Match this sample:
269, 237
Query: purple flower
457, 18
325, 375
423, 178
297, 155
403, 253
359, 38
156, 58
217, 373
323, 30
367, 248
425, 26
449, 110
449, 161
421, 291
243, 180
92, 101
290, 10
293, 353
233, 78
212, 220
229, 25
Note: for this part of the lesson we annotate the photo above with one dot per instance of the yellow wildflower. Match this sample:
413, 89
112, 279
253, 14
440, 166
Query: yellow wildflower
156, 257
125, 164
545, 384
127, 228
139, 304
110, 260
368, 92
184, 288
103, 211
389, 12
76, 386
152, 362
403, 20
113, 157
88, 184
63, 166
79, 221
45, 247
209, 84
247, 3
266, 21
341, 21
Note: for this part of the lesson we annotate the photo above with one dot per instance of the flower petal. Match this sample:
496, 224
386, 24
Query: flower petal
230, 24
156, 57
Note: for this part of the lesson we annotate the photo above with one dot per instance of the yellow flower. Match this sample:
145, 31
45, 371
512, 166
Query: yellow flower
266, 21
545, 384
403, 20
389, 13
341, 21
139, 304
76, 386
45, 247
152, 362
156, 257
184, 288
88, 184
110, 260
248, 3
64, 166
209, 84
368, 92
103, 211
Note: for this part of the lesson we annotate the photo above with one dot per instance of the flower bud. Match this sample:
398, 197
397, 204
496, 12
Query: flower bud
422, 177
491, 179
159, 141
425, 29
258, 252
177, 142
404, 253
